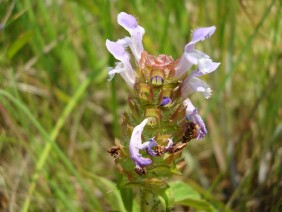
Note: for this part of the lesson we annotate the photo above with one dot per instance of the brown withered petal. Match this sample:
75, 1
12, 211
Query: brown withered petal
177, 147
140, 171
191, 132
115, 152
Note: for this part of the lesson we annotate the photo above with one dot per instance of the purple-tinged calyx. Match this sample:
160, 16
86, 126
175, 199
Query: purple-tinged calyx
193, 116
166, 101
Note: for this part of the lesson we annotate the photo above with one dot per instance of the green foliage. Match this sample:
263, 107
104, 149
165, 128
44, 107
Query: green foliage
59, 114
186, 195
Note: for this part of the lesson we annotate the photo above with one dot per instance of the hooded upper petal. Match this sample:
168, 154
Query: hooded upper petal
200, 34
130, 23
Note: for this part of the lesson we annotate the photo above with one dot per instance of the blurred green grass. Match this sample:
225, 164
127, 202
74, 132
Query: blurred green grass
59, 114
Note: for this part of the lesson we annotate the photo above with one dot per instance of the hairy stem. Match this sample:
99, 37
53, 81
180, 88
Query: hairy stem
149, 201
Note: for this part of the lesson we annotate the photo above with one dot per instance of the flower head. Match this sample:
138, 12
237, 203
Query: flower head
159, 84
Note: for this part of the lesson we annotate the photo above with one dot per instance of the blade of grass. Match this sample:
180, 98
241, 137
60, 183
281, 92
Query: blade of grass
240, 57
108, 34
51, 142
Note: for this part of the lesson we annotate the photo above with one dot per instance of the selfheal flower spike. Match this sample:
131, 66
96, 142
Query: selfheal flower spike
159, 85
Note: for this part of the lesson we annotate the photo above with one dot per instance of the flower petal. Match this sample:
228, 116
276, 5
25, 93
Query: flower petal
127, 21
126, 72
192, 115
124, 68
206, 65
203, 61
135, 145
130, 24
190, 56
166, 102
199, 121
151, 143
199, 34
169, 144
117, 50
183, 66
194, 84
189, 108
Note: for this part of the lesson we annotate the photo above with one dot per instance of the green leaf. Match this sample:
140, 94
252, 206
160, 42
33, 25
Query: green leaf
166, 195
198, 204
182, 191
187, 195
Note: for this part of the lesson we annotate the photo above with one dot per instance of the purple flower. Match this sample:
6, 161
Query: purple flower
166, 102
192, 115
152, 143
129, 23
123, 67
136, 144
192, 57
203, 62
169, 144
118, 48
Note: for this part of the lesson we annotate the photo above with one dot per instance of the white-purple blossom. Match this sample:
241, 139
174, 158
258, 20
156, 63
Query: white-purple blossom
192, 115
130, 23
118, 48
135, 145
123, 67
191, 56
202, 61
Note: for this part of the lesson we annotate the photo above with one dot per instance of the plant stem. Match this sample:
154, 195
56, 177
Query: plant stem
146, 197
